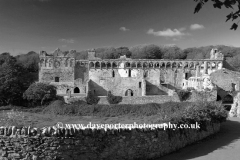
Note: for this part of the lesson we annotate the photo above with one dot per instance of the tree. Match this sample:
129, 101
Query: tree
146, 52
12, 84
173, 52
38, 93
92, 98
223, 3
121, 51
29, 61
105, 52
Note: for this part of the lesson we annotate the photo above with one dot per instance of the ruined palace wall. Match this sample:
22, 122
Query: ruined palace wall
81, 76
64, 74
103, 81
66, 78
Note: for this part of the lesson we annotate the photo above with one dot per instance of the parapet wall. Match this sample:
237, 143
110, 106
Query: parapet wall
66, 144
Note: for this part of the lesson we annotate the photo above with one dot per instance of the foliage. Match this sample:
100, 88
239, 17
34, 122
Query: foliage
91, 98
146, 52
220, 4
113, 99
201, 112
12, 83
176, 112
29, 61
183, 94
173, 52
38, 93
82, 109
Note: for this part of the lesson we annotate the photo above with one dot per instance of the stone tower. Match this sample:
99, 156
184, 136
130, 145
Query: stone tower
57, 69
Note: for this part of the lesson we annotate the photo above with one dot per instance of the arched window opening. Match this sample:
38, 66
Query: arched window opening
76, 90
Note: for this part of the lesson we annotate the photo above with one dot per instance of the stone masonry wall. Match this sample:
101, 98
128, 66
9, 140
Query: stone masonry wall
202, 96
105, 80
69, 144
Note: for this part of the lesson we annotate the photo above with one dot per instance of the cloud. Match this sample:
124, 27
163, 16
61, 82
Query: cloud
124, 29
168, 32
67, 40
196, 26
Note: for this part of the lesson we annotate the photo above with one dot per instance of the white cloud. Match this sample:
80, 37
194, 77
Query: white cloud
196, 26
168, 32
67, 40
124, 29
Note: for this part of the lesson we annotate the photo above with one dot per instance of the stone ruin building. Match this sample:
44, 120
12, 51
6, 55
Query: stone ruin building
125, 76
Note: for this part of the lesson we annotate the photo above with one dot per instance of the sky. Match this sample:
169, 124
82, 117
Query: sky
35, 25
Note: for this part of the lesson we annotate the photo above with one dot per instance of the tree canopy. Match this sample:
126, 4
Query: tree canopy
12, 84
230, 4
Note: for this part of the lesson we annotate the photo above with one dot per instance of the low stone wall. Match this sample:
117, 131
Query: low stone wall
69, 144
143, 99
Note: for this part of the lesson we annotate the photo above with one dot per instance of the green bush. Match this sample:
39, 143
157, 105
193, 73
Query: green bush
113, 99
91, 98
201, 112
183, 95
40, 93
55, 107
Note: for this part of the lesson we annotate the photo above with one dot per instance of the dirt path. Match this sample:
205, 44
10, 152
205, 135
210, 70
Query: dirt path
223, 146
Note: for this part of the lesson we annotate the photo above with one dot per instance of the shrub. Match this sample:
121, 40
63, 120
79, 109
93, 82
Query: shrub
113, 99
40, 93
91, 98
55, 107
183, 95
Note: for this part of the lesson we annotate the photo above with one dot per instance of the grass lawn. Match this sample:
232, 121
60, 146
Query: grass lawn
26, 118
80, 113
